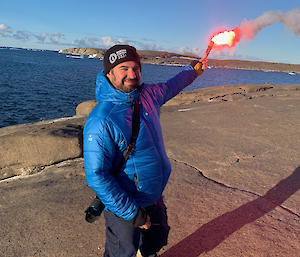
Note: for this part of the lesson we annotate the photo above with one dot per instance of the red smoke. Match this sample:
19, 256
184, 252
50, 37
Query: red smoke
291, 20
249, 29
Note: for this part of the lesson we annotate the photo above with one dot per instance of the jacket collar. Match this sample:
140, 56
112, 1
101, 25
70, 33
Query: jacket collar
106, 92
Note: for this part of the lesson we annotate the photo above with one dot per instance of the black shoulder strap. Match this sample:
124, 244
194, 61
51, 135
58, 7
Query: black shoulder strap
134, 135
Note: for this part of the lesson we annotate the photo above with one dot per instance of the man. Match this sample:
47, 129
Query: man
134, 210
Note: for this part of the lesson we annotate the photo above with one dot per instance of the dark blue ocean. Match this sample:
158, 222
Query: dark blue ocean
43, 85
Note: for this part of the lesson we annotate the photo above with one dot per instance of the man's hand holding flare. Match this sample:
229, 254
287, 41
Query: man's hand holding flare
200, 65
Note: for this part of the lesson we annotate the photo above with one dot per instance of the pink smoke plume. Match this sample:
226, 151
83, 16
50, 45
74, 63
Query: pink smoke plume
291, 20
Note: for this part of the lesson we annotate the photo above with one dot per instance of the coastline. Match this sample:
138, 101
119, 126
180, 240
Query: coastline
166, 58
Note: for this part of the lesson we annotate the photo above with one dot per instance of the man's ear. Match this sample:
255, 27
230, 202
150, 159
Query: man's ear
108, 74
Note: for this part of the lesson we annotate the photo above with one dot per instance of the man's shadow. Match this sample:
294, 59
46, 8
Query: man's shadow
211, 234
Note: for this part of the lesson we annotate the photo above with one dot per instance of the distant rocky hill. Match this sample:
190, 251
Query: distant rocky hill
166, 58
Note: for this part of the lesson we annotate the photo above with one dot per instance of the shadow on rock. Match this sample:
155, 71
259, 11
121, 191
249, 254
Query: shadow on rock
210, 235
68, 131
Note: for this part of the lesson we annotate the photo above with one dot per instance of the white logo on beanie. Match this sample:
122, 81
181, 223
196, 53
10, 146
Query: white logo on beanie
112, 58
117, 55
122, 53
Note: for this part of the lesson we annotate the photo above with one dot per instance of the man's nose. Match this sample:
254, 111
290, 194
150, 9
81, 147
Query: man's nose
132, 73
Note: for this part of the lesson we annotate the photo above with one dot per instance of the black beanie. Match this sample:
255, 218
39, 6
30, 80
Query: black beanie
118, 54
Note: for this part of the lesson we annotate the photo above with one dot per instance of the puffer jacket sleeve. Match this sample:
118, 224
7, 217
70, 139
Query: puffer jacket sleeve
101, 140
163, 92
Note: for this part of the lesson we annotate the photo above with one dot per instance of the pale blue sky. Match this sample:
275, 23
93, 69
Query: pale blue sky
173, 26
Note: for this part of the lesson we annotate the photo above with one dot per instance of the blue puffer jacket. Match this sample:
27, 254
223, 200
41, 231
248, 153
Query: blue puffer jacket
107, 133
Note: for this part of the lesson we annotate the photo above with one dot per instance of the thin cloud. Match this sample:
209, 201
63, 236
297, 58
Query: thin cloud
22, 35
81, 42
55, 37
179, 50
5, 30
109, 41
41, 38
146, 39
198, 51
150, 46
92, 40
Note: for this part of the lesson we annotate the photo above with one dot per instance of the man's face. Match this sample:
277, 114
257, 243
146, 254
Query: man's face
126, 76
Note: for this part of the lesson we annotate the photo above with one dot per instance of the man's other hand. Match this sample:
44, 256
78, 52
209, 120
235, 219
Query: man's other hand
147, 225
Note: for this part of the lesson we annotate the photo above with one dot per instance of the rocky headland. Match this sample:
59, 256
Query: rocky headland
166, 58
233, 191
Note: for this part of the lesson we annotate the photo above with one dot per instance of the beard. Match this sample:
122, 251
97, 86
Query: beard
126, 85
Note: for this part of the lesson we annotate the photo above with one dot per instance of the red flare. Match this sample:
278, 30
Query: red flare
227, 39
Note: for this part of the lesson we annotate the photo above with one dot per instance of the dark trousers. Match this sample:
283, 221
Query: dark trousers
124, 241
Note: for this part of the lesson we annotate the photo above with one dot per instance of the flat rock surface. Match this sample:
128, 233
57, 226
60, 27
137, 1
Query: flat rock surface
233, 191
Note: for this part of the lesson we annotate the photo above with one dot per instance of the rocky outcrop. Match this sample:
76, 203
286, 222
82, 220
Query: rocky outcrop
85, 51
85, 108
28, 148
